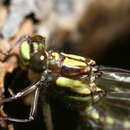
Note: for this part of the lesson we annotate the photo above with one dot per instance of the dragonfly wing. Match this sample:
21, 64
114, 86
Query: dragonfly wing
111, 112
113, 79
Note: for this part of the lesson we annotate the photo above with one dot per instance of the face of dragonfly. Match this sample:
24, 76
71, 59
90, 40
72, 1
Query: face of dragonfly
33, 53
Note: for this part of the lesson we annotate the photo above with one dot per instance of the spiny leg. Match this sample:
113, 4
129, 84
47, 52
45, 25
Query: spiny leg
22, 93
32, 110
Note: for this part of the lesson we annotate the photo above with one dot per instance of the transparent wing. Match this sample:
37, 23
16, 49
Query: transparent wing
109, 113
113, 79
113, 110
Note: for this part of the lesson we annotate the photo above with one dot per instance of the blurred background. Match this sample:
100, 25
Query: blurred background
98, 29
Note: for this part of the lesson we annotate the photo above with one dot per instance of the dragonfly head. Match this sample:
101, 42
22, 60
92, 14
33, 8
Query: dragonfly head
33, 53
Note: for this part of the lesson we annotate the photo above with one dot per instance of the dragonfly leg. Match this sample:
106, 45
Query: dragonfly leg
32, 110
20, 94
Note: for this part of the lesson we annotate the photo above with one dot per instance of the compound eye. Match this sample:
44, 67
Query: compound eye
25, 51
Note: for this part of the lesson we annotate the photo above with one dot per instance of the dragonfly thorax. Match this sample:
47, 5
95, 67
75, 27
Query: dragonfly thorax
69, 65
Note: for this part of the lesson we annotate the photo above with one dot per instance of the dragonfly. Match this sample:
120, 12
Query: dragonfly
103, 92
